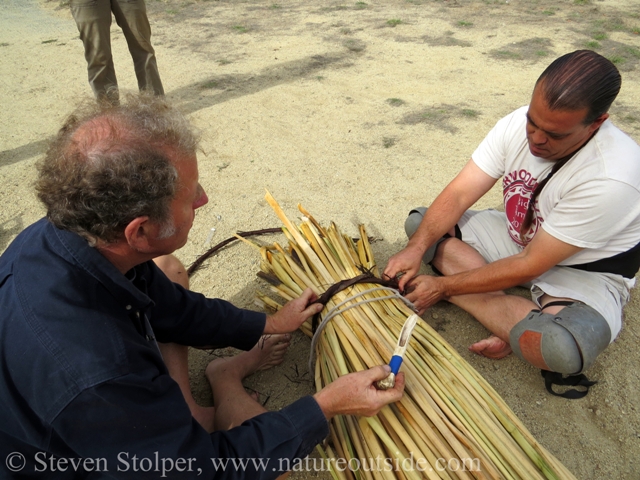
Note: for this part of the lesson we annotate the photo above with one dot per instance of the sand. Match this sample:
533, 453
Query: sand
359, 111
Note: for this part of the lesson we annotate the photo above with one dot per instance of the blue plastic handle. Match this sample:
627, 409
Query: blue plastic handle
395, 363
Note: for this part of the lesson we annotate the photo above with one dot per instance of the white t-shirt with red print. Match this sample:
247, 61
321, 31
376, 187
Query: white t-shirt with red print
592, 202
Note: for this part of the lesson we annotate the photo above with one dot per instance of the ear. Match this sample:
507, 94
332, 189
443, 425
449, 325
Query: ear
598, 122
138, 234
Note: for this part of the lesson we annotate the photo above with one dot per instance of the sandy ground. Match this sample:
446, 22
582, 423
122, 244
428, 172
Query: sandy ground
359, 111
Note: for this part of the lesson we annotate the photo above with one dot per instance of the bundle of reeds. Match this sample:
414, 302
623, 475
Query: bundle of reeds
450, 423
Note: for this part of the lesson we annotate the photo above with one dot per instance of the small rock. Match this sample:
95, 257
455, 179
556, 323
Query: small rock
598, 412
434, 315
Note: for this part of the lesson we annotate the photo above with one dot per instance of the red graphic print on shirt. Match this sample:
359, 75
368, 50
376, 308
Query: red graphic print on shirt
517, 188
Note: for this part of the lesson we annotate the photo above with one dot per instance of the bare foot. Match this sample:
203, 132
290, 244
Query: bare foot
268, 352
492, 347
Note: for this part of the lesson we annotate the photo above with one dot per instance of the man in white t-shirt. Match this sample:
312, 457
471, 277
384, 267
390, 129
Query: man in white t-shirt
576, 244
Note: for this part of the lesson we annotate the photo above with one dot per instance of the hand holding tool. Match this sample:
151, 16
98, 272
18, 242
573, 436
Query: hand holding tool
398, 353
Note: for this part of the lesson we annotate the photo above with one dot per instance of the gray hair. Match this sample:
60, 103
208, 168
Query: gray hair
111, 164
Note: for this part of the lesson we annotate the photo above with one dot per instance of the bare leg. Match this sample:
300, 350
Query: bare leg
232, 402
173, 269
497, 311
176, 357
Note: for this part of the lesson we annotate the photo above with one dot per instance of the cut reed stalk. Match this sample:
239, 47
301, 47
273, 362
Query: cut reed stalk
449, 414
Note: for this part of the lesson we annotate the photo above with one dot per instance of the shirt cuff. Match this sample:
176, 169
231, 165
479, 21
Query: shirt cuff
311, 424
251, 329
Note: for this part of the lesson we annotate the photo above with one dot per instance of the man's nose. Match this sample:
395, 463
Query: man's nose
203, 200
538, 137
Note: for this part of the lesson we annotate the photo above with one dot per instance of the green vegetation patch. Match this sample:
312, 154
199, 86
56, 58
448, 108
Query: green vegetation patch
221, 82
468, 112
211, 84
628, 118
335, 8
440, 116
394, 22
395, 102
354, 45
617, 59
532, 49
445, 41
624, 56
388, 142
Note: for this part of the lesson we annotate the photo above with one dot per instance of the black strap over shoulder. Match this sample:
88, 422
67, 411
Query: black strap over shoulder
555, 378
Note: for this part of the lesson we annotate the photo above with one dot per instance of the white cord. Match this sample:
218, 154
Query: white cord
337, 311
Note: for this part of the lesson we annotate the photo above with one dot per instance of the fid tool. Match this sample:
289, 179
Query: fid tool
398, 353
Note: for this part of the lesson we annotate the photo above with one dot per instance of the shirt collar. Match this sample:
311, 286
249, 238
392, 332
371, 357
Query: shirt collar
77, 251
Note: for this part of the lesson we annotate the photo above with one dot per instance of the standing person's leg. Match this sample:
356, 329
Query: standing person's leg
93, 18
131, 16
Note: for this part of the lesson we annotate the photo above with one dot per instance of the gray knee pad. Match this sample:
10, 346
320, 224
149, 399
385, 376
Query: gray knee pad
412, 223
567, 342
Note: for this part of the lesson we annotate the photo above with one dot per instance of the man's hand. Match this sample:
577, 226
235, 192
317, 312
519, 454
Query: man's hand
424, 291
356, 394
407, 262
289, 318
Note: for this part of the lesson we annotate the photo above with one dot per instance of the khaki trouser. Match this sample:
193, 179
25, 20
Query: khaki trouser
93, 18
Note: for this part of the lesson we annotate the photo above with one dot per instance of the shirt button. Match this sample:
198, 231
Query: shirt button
128, 307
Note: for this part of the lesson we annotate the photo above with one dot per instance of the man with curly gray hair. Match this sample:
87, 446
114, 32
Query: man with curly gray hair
94, 334
109, 165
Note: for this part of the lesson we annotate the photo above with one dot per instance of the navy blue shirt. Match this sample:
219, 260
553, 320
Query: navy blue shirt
84, 392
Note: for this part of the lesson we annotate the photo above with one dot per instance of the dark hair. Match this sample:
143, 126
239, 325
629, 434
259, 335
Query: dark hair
110, 164
581, 79
575, 81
